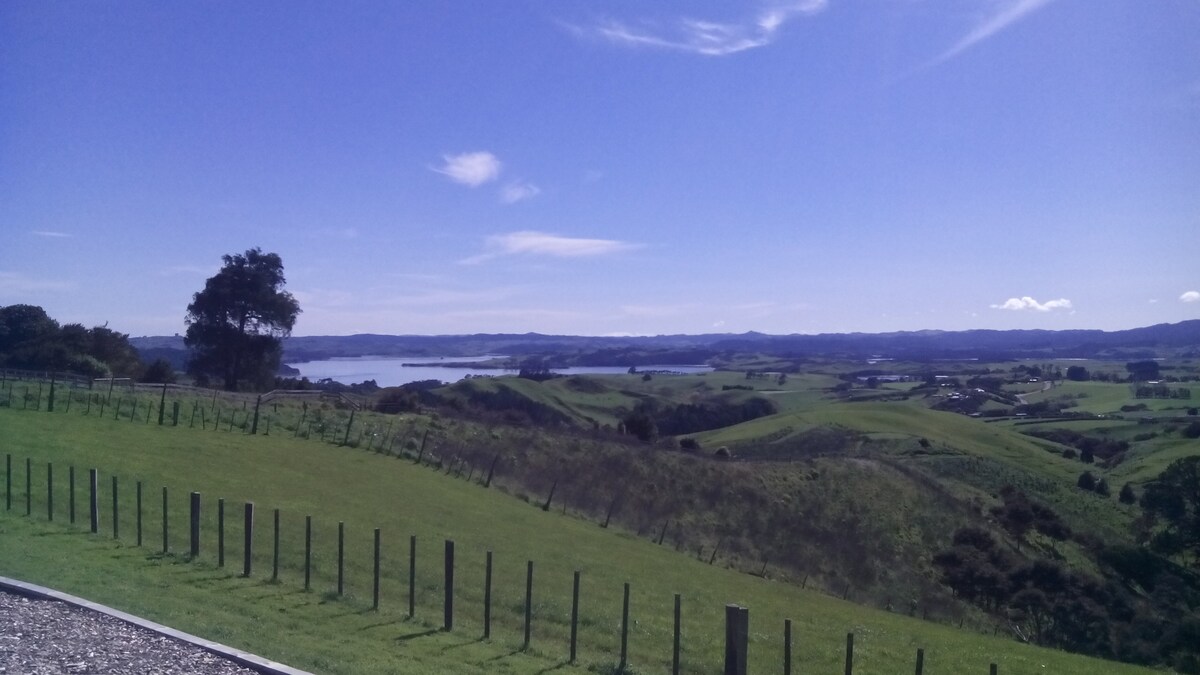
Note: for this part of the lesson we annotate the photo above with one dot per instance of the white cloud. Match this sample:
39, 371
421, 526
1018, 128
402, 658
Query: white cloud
15, 285
1190, 296
517, 191
470, 168
541, 243
51, 234
1006, 14
189, 270
1026, 302
709, 38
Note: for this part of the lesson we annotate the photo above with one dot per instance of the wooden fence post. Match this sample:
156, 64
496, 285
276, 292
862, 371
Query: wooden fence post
28, 486
307, 552
737, 633
116, 519
487, 598
528, 602
412, 575
70, 491
49, 491
8, 482
94, 509
138, 499
194, 530
675, 642
254, 427
849, 653
341, 559
787, 647
574, 615
166, 547
275, 553
175, 413
221, 532
920, 661
993, 670
375, 592
624, 629
162, 405
248, 547
448, 605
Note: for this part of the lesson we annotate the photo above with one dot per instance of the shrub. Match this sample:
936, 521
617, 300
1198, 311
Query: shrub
1086, 481
722, 453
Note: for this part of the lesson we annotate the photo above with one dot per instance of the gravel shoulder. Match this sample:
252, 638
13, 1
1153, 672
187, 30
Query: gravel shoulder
50, 637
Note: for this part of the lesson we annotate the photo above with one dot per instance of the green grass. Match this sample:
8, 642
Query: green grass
321, 632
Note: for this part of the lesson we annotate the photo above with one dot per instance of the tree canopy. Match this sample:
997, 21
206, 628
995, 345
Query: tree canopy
29, 338
1175, 498
236, 325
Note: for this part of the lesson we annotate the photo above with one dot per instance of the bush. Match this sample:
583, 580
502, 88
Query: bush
1192, 430
689, 444
1086, 481
722, 453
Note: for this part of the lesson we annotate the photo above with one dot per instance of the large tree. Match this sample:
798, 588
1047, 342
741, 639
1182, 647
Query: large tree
1175, 498
236, 325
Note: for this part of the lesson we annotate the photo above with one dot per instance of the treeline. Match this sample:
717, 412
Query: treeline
31, 340
1141, 608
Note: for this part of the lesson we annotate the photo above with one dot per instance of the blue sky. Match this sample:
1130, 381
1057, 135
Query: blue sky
608, 168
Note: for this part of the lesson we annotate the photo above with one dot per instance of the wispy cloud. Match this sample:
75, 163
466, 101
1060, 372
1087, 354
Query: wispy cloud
1190, 296
17, 285
50, 234
541, 243
517, 191
1005, 14
708, 38
190, 270
1028, 303
470, 168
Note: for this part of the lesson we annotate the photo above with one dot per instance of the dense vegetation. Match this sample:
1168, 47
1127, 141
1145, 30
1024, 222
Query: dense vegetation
30, 339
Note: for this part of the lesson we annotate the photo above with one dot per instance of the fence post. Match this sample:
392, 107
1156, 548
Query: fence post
307, 552
448, 605
248, 547
165, 520
254, 427
920, 661
195, 525
737, 634
675, 642
28, 486
412, 575
175, 413
138, 499
8, 482
221, 532
574, 615
275, 554
624, 629
50, 491
849, 653
787, 646
993, 670
528, 602
94, 509
341, 558
162, 405
487, 598
375, 592
70, 490
116, 518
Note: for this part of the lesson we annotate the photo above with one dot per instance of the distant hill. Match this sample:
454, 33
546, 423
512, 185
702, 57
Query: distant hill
1161, 339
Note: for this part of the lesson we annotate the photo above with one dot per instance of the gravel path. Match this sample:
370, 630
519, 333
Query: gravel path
46, 637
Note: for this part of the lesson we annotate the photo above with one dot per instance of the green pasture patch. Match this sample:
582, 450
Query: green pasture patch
319, 631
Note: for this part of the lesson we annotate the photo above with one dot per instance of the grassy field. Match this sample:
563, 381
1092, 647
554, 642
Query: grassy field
321, 631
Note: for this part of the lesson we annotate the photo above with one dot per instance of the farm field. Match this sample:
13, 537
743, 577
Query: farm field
365, 490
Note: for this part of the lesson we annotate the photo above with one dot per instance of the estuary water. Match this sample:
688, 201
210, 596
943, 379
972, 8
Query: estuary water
391, 372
